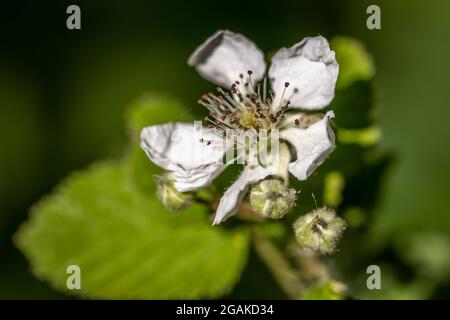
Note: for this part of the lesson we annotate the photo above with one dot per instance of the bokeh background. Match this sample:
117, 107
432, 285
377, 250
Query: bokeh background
63, 95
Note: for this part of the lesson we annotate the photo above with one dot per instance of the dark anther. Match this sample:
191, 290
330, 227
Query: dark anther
241, 75
249, 72
297, 122
322, 223
286, 84
316, 229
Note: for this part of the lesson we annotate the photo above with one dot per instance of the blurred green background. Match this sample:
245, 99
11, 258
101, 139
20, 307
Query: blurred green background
63, 94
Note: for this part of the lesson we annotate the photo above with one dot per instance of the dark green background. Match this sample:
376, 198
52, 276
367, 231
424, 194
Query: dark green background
63, 94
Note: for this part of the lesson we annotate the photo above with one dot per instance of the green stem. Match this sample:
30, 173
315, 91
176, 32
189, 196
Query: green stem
286, 276
202, 201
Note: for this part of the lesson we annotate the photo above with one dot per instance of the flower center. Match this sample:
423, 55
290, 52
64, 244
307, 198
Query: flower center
244, 106
248, 118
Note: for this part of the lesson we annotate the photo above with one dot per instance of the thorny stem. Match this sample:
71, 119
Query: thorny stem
286, 276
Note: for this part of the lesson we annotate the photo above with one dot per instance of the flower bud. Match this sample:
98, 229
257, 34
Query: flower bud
272, 199
319, 230
170, 197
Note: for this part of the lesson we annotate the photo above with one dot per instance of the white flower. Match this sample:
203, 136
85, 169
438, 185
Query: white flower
303, 76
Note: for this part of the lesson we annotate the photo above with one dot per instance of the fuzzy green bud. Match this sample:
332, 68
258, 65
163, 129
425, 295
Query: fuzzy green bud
319, 230
170, 197
272, 199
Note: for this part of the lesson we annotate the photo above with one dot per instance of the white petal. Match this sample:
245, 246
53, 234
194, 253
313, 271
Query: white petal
231, 199
226, 55
312, 145
194, 179
280, 164
289, 119
176, 147
276, 159
310, 68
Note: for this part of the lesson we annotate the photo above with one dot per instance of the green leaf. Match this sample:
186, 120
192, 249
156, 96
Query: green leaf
126, 244
331, 290
428, 251
355, 63
334, 183
355, 106
365, 137
151, 109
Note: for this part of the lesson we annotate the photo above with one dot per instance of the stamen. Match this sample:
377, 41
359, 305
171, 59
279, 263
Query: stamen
228, 98
235, 90
218, 103
286, 85
250, 72
294, 92
213, 106
258, 91
271, 94
226, 108
265, 90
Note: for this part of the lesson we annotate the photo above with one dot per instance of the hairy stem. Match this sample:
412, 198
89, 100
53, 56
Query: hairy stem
246, 213
202, 200
286, 276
